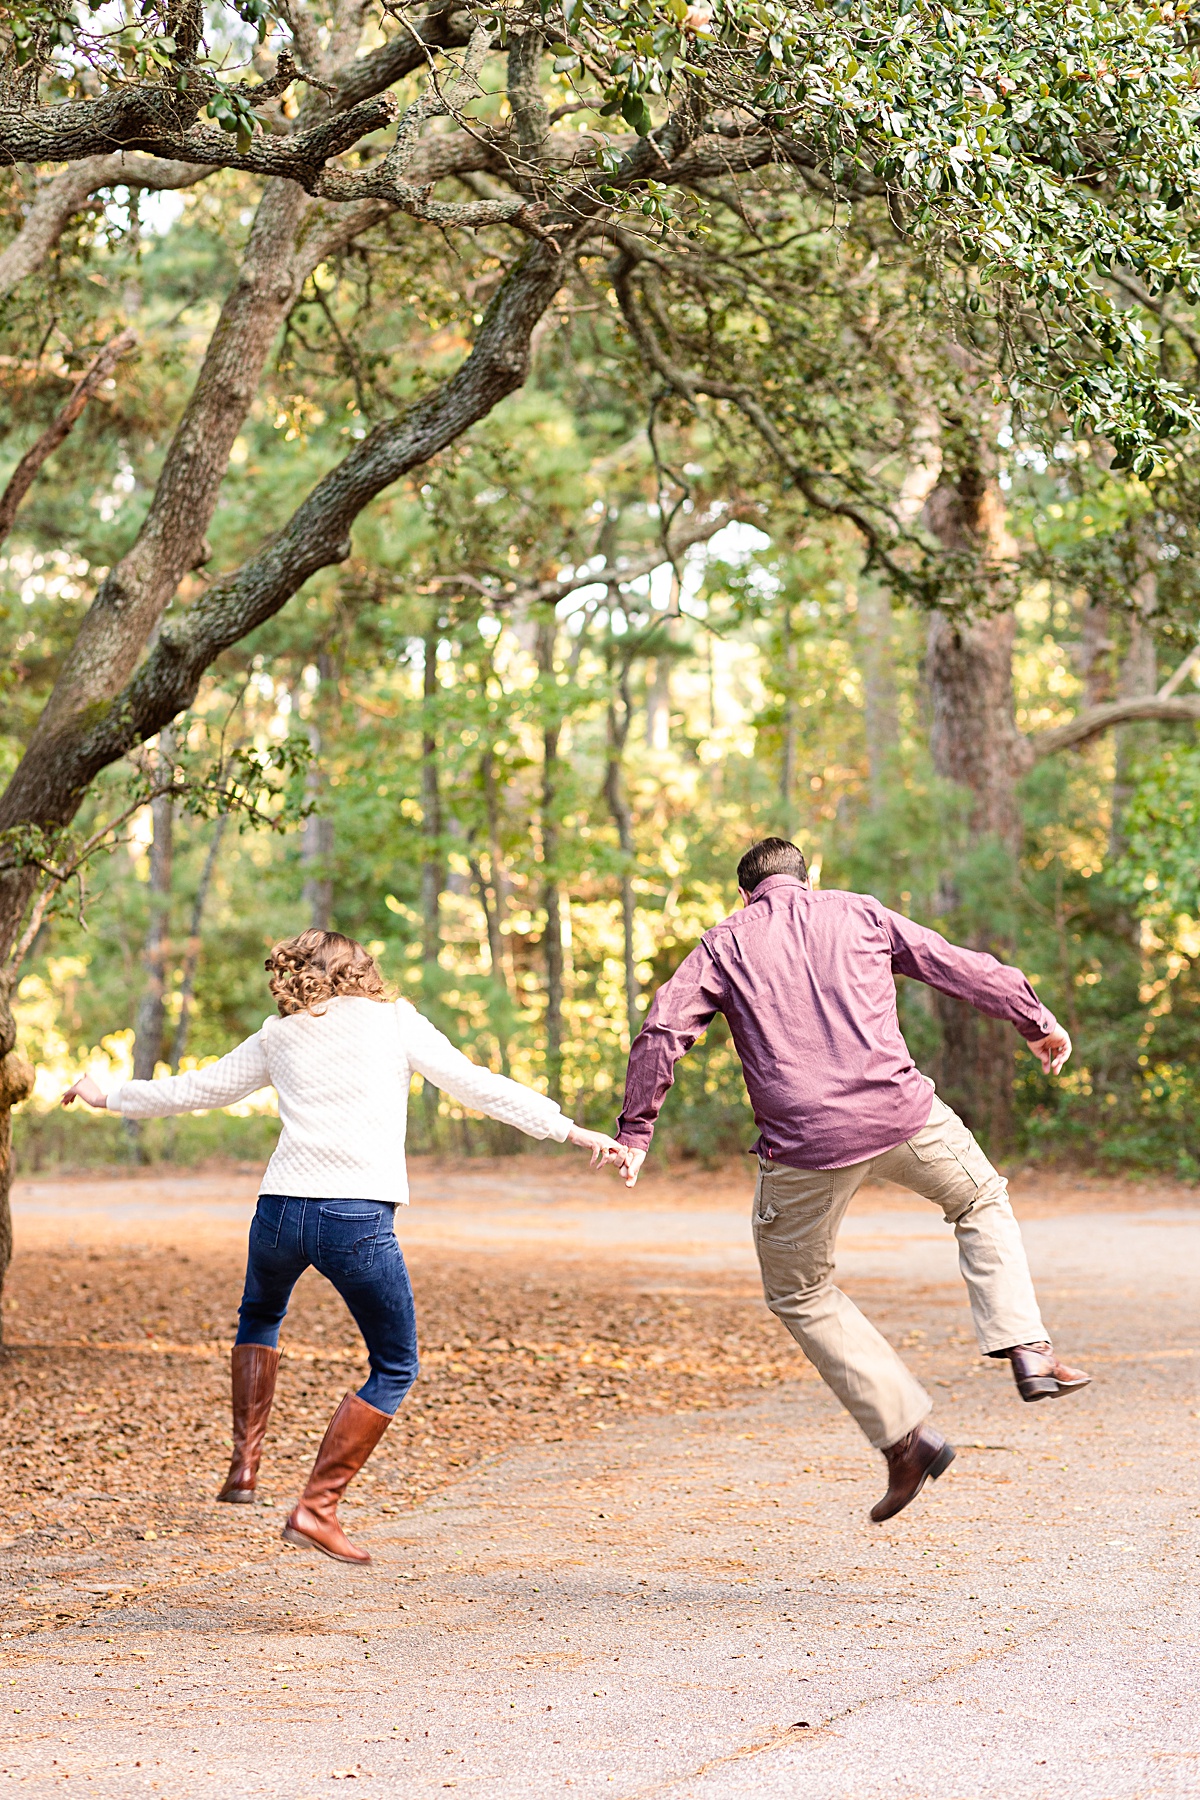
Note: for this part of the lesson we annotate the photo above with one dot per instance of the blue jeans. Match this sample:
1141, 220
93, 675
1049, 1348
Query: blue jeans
353, 1244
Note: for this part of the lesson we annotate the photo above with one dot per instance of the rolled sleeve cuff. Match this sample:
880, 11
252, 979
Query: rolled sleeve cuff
1034, 1029
559, 1127
115, 1095
635, 1137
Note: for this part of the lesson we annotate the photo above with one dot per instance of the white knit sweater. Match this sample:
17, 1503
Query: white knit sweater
342, 1077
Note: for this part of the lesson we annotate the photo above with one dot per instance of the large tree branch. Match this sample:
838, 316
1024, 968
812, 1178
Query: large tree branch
25, 473
132, 596
1093, 720
56, 202
128, 118
63, 758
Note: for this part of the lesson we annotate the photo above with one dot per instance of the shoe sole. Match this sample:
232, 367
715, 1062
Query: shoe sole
937, 1468
291, 1536
1044, 1387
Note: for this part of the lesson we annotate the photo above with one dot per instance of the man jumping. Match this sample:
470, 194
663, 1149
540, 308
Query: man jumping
805, 982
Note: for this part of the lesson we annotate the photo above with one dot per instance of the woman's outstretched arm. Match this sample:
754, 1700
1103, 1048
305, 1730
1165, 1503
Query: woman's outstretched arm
231, 1078
432, 1054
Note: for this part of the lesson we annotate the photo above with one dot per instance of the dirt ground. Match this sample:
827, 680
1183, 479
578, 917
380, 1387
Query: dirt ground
589, 1357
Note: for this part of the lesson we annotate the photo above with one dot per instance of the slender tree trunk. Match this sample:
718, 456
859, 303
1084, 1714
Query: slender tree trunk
149, 1041
433, 860
787, 766
317, 842
551, 732
618, 806
191, 954
873, 630
1138, 675
975, 743
491, 899
658, 706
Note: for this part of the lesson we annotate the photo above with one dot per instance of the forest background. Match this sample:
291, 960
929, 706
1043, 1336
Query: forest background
788, 530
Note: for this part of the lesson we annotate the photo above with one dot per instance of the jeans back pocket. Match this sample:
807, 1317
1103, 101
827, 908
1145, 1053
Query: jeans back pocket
347, 1233
269, 1216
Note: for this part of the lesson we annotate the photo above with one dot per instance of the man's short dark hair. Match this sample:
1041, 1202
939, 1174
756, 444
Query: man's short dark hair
771, 856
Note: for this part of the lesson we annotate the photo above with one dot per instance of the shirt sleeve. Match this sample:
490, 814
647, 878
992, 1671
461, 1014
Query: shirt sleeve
991, 987
432, 1055
681, 1010
230, 1078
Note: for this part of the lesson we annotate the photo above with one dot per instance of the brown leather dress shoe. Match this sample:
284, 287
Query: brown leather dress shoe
920, 1457
350, 1437
253, 1370
1040, 1376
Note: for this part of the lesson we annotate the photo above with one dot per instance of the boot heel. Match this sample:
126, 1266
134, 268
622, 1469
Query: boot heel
942, 1461
1038, 1387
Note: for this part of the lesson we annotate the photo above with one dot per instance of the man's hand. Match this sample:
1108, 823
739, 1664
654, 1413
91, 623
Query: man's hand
1053, 1050
631, 1161
87, 1090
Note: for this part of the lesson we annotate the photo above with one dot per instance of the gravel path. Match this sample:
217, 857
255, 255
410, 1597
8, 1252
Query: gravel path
693, 1604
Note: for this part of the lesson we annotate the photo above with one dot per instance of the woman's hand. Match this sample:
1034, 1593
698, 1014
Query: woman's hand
603, 1148
88, 1091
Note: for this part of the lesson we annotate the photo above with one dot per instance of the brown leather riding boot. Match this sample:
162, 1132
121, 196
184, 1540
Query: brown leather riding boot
1039, 1375
350, 1437
253, 1369
919, 1457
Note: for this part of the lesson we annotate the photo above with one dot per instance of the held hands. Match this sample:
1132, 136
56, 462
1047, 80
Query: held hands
606, 1150
88, 1091
1053, 1050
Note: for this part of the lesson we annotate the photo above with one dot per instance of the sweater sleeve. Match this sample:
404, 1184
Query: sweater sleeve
432, 1055
231, 1078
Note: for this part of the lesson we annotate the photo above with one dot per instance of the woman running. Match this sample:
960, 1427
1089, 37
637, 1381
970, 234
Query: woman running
340, 1056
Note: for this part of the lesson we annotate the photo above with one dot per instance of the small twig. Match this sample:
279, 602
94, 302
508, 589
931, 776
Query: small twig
25, 473
1177, 678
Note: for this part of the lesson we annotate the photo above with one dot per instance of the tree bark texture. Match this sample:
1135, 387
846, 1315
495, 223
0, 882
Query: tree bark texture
975, 743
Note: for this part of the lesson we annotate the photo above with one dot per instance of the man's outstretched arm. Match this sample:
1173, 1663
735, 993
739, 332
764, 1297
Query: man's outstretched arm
681, 1009
992, 987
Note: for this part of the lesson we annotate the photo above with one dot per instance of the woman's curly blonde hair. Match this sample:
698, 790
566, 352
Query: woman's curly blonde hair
318, 966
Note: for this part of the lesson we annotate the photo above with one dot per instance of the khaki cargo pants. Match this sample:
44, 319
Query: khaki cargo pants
797, 1213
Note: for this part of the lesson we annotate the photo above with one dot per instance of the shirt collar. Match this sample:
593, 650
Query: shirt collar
772, 883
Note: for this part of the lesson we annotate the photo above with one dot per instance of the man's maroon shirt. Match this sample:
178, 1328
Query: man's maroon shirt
805, 981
